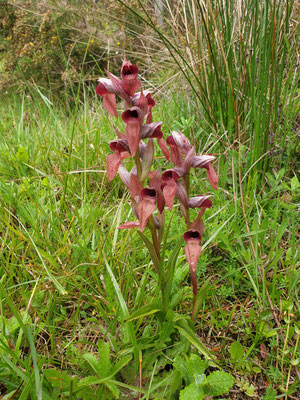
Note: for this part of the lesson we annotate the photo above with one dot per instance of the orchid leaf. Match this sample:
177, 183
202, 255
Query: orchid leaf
151, 249
148, 309
185, 330
170, 269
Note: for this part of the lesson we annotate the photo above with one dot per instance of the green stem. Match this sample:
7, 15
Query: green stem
138, 163
187, 188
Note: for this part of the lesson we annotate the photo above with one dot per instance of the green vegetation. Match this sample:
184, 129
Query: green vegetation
72, 283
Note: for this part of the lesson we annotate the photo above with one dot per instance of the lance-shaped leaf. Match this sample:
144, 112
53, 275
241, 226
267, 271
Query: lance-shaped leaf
120, 134
147, 159
200, 201
130, 83
164, 148
133, 120
151, 104
146, 206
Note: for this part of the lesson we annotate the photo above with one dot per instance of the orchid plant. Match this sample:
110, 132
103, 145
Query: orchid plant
152, 191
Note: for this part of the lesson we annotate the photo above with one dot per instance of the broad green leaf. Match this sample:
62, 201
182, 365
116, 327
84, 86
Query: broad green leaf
192, 392
236, 352
220, 382
196, 366
148, 309
181, 366
294, 183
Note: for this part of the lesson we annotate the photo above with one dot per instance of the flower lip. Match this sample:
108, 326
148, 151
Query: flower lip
170, 174
148, 193
129, 69
192, 235
170, 141
131, 114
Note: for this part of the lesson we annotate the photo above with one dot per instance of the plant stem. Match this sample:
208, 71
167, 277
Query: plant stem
187, 188
138, 163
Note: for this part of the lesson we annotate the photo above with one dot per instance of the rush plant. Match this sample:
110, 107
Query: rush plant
153, 189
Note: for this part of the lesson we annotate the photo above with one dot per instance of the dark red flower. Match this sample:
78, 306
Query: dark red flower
192, 251
133, 119
200, 202
130, 83
108, 89
120, 151
205, 162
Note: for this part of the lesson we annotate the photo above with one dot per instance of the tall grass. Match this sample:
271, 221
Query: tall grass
239, 58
